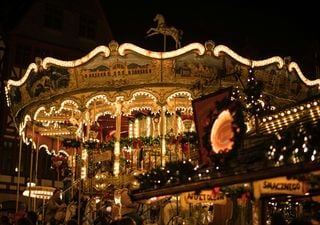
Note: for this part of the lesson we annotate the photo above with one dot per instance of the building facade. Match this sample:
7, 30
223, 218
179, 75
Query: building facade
62, 29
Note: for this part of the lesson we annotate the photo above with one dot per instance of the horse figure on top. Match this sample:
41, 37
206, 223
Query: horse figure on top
162, 28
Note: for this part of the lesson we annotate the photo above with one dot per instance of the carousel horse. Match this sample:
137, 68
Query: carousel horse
71, 211
86, 207
103, 215
123, 206
162, 28
89, 212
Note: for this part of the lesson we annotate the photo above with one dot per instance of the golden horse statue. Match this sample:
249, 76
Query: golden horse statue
162, 28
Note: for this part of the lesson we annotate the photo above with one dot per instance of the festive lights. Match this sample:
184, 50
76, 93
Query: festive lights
294, 66
41, 192
252, 63
52, 61
197, 47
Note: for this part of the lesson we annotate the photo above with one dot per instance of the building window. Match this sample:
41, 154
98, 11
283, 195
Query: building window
53, 17
87, 27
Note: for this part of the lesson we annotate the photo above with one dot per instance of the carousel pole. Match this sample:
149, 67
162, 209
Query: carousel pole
72, 173
79, 199
116, 165
58, 171
162, 137
31, 167
43, 210
36, 169
18, 180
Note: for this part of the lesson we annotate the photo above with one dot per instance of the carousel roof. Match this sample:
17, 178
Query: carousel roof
58, 94
60, 97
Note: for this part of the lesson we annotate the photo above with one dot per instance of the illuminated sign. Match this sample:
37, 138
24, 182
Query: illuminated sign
281, 185
204, 197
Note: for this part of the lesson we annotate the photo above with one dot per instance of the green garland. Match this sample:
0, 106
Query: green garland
173, 173
313, 181
296, 145
253, 92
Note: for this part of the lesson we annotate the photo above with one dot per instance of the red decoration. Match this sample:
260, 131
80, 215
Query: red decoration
185, 148
187, 117
137, 143
216, 191
57, 161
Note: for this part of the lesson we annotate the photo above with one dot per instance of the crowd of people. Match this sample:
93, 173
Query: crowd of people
29, 218
54, 212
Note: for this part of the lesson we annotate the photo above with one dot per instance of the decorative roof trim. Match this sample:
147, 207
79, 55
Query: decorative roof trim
100, 49
248, 62
294, 66
31, 67
52, 61
124, 48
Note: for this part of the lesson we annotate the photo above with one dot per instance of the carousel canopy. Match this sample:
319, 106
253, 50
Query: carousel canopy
61, 96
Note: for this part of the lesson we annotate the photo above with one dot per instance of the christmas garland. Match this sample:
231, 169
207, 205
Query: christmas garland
296, 145
186, 138
173, 173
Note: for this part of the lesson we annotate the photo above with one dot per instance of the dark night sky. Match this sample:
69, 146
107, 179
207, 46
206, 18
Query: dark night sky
256, 31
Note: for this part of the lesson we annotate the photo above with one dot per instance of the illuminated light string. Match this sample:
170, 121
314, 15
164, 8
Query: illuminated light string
41, 192
294, 66
100, 49
179, 94
53, 152
42, 108
254, 105
52, 110
22, 126
7, 96
49, 60
197, 47
103, 114
183, 172
141, 93
139, 108
71, 102
291, 115
97, 97
295, 146
248, 62
31, 67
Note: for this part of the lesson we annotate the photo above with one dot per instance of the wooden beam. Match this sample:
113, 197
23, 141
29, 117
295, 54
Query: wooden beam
288, 170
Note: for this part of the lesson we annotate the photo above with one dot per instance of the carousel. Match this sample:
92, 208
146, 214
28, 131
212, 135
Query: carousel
122, 111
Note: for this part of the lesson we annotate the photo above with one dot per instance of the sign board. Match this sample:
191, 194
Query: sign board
279, 185
205, 196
